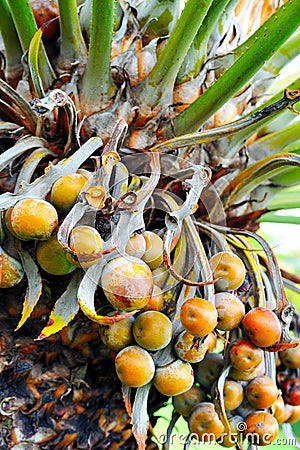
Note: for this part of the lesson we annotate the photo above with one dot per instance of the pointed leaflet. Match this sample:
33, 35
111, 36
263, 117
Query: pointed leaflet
218, 398
34, 288
33, 63
65, 308
126, 394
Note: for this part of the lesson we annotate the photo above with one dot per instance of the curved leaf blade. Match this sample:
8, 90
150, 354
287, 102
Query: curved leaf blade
255, 174
34, 289
65, 308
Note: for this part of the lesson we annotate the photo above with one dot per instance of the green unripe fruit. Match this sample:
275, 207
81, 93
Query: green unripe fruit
52, 258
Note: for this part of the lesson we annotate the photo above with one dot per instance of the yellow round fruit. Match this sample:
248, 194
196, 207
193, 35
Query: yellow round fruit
205, 423
118, 335
198, 316
228, 269
189, 348
134, 366
174, 378
66, 189
230, 311
156, 301
127, 283
32, 219
85, 242
184, 403
261, 428
11, 271
152, 330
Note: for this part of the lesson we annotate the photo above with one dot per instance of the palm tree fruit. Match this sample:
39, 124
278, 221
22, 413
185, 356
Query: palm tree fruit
85, 244
174, 378
52, 258
134, 366
32, 219
66, 189
143, 143
127, 283
228, 269
11, 272
145, 330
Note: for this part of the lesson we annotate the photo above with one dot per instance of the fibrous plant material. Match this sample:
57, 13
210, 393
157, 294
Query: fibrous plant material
139, 149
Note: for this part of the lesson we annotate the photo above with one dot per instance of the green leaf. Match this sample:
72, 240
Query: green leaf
279, 218
231, 129
260, 47
275, 142
26, 27
197, 53
33, 63
288, 198
255, 174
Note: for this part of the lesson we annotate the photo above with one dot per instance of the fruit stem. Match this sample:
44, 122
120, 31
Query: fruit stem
197, 53
258, 48
13, 50
72, 49
97, 85
157, 87
26, 27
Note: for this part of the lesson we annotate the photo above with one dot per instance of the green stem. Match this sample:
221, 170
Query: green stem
97, 85
197, 53
228, 147
260, 47
72, 49
161, 79
26, 27
13, 50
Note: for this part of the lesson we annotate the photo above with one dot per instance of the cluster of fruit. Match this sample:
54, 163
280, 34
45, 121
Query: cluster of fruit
218, 351
251, 397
